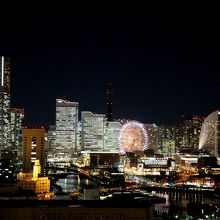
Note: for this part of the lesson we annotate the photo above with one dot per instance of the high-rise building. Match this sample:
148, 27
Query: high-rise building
66, 128
17, 119
33, 143
152, 131
167, 139
189, 131
5, 134
92, 131
111, 136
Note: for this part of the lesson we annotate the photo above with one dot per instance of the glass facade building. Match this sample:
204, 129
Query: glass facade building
112, 131
189, 131
167, 139
92, 131
66, 127
17, 118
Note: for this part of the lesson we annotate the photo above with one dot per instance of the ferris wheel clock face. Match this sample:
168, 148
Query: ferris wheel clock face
133, 137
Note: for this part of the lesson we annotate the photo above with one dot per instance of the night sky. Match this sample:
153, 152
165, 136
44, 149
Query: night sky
162, 64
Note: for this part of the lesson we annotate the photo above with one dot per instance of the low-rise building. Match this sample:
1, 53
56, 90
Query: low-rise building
155, 166
31, 181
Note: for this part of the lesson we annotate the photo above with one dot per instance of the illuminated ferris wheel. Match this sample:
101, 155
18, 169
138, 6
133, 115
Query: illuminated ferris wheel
133, 137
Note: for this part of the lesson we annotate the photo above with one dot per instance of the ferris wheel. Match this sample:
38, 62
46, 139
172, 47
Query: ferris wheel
133, 137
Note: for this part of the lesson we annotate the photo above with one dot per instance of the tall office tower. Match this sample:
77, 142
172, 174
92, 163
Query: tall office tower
152, 131
5, 134
109, 115
189, 131
111, 136
92, 131
17, 119
66, 128
33, 143
168, 139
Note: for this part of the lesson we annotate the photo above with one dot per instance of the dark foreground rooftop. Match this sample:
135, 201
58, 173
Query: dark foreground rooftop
75, 203
75, 210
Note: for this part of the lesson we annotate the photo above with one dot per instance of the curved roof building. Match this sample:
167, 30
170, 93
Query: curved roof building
210, 134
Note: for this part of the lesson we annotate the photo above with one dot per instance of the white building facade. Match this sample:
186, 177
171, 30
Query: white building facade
66, 128
112, 131
92, 131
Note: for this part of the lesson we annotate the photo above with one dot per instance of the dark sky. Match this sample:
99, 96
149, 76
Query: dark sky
162, 63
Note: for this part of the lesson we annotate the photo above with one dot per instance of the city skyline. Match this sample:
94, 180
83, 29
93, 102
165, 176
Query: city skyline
109, 104
160, 66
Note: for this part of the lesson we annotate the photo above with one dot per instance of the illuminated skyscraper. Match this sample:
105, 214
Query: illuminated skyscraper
111, 136
5, 134
167, 139
17, 118
66, 127
152, 131
92, 133
189, 131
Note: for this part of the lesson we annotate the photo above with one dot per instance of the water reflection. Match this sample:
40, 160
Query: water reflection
73, 182
176, 203
173, 203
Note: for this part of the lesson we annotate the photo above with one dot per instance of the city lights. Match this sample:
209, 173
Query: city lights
109, 115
